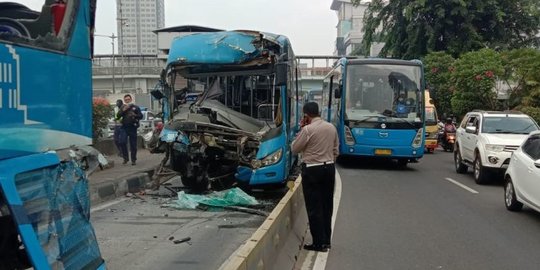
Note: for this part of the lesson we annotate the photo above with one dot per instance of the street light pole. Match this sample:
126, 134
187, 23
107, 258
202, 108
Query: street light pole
112, 37
122, 23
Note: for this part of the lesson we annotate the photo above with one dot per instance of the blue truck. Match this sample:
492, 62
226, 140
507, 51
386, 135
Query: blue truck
45, 130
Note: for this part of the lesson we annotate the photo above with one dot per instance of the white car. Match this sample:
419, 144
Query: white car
485, 141
522, 178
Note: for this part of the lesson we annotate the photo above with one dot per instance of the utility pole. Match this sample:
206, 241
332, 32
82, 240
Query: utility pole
122, 22
112, 37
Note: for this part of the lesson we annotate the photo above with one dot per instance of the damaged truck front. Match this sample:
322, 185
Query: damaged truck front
45, 130
241, 124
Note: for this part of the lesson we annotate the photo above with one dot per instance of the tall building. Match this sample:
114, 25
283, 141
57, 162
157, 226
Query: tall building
350, 28
136, 19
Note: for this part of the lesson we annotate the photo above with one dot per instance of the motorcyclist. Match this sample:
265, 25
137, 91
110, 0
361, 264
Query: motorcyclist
449, 126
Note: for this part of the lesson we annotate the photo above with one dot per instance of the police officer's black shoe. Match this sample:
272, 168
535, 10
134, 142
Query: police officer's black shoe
319, 248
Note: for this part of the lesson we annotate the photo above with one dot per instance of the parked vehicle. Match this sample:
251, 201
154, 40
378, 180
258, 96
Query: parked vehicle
432, 129
522, 179
486, 139
241, 126
378, 107
45, 130
147, 124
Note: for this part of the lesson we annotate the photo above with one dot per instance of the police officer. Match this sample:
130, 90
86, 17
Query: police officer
318, 142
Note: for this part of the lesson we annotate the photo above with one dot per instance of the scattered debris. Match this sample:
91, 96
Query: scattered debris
226, 198
185, 239
171, 238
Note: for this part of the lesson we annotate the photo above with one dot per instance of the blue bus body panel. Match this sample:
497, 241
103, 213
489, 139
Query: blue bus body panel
272, 174
45, 96
225, 48
368, 140
50, 204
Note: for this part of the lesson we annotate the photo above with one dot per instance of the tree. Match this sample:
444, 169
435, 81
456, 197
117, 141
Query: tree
101, 112
522, 74
413, 28
438, 72
474, 78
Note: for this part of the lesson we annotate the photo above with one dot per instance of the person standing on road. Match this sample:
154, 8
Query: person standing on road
130, 114
120, 138
319, 144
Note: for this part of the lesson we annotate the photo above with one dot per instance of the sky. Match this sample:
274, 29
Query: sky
309, 24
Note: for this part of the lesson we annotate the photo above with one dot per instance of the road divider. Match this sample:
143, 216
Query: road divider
277, 242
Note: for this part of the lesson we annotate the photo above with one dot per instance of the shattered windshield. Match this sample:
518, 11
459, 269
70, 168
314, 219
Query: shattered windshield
247, 102
389, 92
34, 25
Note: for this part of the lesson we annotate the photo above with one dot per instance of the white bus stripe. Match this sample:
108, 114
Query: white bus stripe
10, 98
462, 185
1, 101
5, 72
1, 77
10, 76
15, 103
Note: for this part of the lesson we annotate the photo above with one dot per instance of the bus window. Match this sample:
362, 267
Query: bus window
48, 28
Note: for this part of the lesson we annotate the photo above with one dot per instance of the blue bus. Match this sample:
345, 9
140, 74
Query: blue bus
313, 96
45, 130
240, 127
377, 106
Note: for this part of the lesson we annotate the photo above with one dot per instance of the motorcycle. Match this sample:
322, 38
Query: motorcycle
448, 139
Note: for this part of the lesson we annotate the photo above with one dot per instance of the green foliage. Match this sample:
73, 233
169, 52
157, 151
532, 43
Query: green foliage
101, 111
438, 72
522, 73
474, 79
413, 28
531, 105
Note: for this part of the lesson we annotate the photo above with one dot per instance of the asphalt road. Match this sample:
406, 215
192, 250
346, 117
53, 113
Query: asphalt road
139, 234
416, 218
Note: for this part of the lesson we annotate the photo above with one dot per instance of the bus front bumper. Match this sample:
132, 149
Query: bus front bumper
382, 151
273, 174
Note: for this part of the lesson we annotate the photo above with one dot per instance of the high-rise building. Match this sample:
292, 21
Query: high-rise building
136, 19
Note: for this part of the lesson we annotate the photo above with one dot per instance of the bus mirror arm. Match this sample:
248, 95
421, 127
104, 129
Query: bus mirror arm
337, 92
281, 73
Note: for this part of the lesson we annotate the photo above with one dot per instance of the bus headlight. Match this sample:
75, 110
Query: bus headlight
268, 160
417, 142
349, 139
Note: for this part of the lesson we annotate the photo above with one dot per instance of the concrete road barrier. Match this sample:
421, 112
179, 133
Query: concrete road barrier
278, 241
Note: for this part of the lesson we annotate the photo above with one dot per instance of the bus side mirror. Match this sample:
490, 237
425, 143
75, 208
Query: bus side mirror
337, 92
281, 74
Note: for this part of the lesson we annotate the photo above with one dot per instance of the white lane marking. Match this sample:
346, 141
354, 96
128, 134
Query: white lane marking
462, 185
322, 257
107, 205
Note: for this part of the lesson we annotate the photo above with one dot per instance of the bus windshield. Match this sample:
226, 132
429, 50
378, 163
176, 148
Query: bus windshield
389, 92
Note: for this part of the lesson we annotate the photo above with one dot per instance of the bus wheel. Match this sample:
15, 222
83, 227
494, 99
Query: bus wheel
402, 162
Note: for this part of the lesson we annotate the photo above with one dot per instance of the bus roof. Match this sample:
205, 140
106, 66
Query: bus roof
225, 47
386, 61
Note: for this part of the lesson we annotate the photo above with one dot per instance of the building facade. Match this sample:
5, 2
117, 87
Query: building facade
136, 19
350, 27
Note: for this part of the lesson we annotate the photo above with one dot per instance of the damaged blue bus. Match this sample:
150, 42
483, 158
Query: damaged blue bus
240, 127
45, 130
